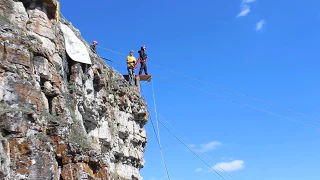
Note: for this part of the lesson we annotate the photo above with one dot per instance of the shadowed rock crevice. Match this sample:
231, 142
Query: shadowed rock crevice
5, 132
47, 6
69, 64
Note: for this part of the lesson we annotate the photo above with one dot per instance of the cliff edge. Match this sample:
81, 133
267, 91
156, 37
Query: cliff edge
61, 119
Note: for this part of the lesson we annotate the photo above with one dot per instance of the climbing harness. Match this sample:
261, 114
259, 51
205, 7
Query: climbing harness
135, 65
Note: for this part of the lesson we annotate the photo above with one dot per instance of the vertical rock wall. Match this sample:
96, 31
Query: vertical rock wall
60, 119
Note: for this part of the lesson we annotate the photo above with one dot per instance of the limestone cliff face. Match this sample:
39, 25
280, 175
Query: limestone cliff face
60, 119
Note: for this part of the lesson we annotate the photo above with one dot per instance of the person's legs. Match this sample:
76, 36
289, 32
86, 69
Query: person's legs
145, 69
130, 75
141, 67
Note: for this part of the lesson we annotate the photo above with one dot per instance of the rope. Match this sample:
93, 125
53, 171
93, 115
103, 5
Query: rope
157, 114
224, 89
63, 16
164, 162
234, 100
155, 110
196, 147
237, 102
234, 92
158, 136
237, 93
191, 150
110, 50
218, 87
231, 92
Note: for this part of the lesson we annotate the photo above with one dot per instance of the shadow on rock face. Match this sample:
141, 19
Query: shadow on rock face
47, 6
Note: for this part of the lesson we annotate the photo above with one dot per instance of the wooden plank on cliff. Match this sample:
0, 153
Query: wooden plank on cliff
144, 77
138, 79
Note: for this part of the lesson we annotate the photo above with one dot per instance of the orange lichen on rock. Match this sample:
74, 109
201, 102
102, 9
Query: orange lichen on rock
27, 93
61, 150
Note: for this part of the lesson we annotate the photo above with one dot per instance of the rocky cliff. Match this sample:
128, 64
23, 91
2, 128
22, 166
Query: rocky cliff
60, 119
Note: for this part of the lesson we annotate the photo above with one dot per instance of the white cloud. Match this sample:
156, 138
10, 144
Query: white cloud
210, 146
229, 166
245, 10
248, 1
198, 170
260, 25
206, 147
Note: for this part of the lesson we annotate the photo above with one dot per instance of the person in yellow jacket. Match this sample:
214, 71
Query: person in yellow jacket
131, 62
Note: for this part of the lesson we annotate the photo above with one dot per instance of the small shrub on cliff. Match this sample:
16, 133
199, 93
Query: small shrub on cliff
32, 49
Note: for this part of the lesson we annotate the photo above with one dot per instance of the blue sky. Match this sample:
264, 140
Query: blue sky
265, 49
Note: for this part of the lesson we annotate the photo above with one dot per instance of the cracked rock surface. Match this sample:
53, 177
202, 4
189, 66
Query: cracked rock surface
60, 119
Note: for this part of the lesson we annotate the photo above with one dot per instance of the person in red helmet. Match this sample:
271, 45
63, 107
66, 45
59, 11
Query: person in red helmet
143, 59
93, 46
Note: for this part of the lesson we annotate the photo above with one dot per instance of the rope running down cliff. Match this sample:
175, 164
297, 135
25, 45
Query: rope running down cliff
183, 144
193, 145
192, 151
158, 136
157, 114
155, 110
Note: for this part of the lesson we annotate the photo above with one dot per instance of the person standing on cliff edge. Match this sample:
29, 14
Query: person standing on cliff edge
131, 61
143, 60
93, 46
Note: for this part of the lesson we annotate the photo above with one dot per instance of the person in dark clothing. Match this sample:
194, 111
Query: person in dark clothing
143, 60
93, 46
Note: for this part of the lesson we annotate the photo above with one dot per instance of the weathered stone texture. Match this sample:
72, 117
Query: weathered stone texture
60, 119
